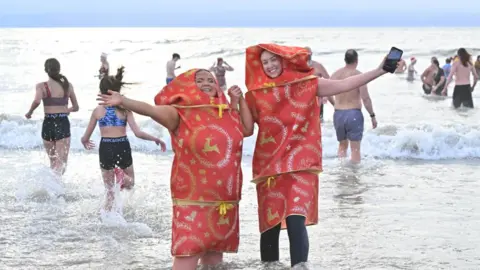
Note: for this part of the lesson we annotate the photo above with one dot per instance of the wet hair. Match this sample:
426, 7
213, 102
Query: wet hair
351, 56
175, 55
448, 60
113, 83
464, 56
52, 68
435, 61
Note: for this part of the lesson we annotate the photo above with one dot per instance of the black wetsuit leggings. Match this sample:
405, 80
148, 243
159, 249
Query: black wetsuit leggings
298, 236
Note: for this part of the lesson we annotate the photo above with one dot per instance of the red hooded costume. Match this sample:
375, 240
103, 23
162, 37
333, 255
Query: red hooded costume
206, 177
288, 151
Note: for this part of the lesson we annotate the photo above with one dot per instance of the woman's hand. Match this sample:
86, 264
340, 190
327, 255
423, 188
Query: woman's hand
112, 99
162, 144
235, 93
28, 115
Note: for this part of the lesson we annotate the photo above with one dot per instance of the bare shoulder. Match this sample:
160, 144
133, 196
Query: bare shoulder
39, 85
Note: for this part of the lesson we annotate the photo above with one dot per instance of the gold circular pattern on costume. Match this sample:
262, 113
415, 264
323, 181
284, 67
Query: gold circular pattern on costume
184, 239
222, 221
270, 214
193, 181
212, 130
283, 132
306, 162
301, 88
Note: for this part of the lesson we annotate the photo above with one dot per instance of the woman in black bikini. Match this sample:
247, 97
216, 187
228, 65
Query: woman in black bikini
55, 94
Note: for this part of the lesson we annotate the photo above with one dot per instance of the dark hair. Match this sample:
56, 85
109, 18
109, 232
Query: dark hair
449, 60
435, 61
464, 56
113, 83
52, 68
478, 58
176, 55
351, 56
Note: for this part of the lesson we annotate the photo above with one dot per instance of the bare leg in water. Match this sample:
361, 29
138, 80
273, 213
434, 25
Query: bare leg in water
57, 152
191, 262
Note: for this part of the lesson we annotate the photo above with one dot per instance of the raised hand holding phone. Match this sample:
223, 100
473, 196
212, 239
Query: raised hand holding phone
393, 57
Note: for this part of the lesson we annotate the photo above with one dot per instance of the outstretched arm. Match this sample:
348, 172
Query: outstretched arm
141, 134
165, 115
328, 87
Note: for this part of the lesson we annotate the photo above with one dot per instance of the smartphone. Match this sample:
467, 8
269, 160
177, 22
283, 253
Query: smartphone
393, 57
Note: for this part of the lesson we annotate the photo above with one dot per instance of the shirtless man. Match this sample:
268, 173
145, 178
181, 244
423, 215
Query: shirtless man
321, 72
428, 76
171, 67
104, 66
348, 117
402, 66
462, 93
219, 68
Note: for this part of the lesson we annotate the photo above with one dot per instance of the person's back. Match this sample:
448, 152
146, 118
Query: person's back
55, 98
348, 100
447, 67
112, 121
462, 73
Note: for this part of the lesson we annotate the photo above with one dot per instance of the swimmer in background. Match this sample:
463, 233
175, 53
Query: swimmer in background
115, 154
447, 67
104, 66
428, 75
321, 72
462, 93
439, 80
411, 70
477, 65
219, 68
348, 117
402, 66
171, 67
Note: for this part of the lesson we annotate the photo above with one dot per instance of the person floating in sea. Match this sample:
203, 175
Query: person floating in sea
462, 93
411, 70
321, 72
171, 67
206, 179
219, 68
115, 154
348, 117
288, 151
104, 66
55, 94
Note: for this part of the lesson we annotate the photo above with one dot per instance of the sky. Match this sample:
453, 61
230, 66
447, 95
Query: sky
238, 13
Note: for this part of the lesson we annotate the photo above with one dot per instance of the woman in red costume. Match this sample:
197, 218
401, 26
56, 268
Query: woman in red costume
206, 179
283, 99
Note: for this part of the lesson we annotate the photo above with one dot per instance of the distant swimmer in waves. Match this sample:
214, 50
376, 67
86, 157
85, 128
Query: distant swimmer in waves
55, 94
477, 65
402, 66
321, 72
115, 154
462, 93
439, 80
206, 177
411, 70
219, 68
348, 117
171, 67
104, 66
427, 76
447, 67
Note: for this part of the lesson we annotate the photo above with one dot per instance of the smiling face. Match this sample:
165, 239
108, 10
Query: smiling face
272, 64
206, 82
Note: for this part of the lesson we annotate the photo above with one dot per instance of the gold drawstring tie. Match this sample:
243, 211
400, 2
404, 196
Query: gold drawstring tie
220, 107
270, 181
223, 207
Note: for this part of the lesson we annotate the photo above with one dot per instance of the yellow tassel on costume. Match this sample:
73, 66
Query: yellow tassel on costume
220, 107
270, 182
224, 207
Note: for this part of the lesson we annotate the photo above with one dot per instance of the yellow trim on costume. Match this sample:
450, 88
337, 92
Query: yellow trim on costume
270, 182
265, 178
205, 203
224, 207
270, 85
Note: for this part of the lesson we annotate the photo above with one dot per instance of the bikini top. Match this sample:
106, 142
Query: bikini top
111, 119
54, 101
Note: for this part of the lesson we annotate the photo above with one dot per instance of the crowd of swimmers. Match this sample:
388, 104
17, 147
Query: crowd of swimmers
436, 79
285, 91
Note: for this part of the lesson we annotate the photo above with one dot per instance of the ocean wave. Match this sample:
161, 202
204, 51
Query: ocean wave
426, 142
